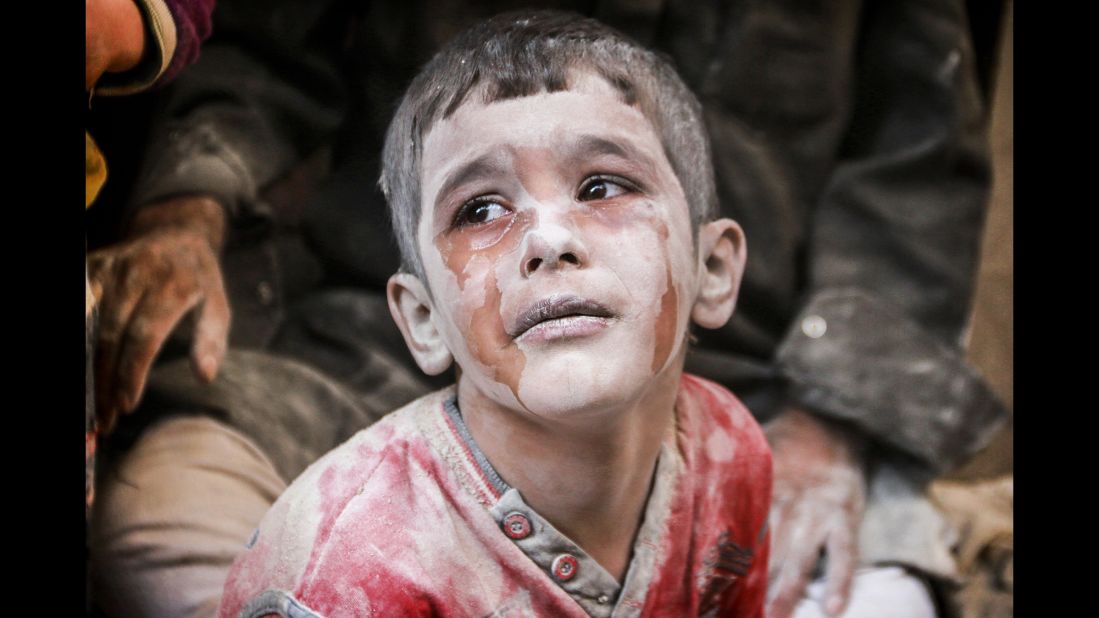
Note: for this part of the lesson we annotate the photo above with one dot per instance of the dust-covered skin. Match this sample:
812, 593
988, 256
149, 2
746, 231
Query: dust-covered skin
557, 245
558, 249
631, 252
819, 497
167, 268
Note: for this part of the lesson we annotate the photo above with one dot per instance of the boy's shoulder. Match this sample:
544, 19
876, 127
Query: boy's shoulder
367, 458
717, 422
724, 446
729, 480
352, 508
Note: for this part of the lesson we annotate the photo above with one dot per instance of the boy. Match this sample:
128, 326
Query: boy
552, 194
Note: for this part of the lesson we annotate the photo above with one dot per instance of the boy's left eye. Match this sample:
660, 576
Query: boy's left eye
599, 188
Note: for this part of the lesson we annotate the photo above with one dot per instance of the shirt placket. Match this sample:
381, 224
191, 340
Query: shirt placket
561, 559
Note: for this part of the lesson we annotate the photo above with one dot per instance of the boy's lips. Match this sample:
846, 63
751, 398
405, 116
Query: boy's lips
555, 310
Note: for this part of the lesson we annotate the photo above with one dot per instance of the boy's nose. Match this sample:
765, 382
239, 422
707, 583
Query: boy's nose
552, 246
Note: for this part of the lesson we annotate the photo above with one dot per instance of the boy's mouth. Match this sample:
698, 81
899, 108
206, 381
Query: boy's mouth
557, 310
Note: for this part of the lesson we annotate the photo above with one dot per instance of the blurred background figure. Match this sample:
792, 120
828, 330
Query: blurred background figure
850, 141
129, 46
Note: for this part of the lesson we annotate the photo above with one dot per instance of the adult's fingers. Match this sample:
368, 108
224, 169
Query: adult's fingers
842, 550
805, 541
152, 321
97, 268
780, 540
211, 332
789, 587
116, 306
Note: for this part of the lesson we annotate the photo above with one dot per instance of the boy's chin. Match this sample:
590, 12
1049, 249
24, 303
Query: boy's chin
568, 388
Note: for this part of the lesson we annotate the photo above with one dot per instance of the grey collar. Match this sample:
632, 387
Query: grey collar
562, 560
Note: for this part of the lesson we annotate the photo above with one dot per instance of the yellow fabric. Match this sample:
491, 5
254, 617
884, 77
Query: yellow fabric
95, 174
95, 170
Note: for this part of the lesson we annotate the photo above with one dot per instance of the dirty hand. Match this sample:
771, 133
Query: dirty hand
167, 266
818, 501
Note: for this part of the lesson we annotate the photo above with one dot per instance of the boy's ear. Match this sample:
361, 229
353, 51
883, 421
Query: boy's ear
722, 250
411, 308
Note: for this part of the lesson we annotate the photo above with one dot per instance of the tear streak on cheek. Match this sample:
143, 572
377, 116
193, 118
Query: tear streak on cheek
666, 323
459, 247
486, 338
490, 344
452, 258
616, 220
666, 328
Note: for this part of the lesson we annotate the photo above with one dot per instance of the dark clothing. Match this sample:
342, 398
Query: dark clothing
193, 25
848, 141
174, 31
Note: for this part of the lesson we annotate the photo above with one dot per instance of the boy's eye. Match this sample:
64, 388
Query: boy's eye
602, 189
478, 211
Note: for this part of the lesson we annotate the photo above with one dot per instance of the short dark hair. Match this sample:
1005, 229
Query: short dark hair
523, 53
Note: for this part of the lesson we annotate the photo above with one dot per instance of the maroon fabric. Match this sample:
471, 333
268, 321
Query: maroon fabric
193, 26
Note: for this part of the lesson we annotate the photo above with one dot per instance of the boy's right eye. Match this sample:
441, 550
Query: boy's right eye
479, 211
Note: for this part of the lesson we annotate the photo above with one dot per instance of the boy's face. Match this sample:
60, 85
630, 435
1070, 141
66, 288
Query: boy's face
556, 240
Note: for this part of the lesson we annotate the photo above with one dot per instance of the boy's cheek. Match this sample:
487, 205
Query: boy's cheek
663, 305
489, 343
493, 242
662, 274
472, 324
666, 329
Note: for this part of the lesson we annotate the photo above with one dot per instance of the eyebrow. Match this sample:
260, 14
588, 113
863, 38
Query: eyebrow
487, 164
587, 146
596, 145
583, 147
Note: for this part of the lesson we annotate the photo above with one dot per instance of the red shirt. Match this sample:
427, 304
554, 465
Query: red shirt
409, 518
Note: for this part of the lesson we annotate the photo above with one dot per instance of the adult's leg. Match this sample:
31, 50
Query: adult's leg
179, 497
184, 496
173, 513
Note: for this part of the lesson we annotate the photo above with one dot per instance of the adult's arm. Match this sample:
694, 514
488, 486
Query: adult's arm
894, 242
265, 92
875, 357
849, 142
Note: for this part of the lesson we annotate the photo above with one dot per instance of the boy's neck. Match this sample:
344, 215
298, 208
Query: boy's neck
590, 479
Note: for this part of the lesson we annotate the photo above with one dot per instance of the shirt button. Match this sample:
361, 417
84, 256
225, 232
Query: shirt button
814, 326
265, 293
516, 526
564, 567
602, 600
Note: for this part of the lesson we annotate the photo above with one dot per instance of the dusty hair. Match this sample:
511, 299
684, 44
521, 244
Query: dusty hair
523, 53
